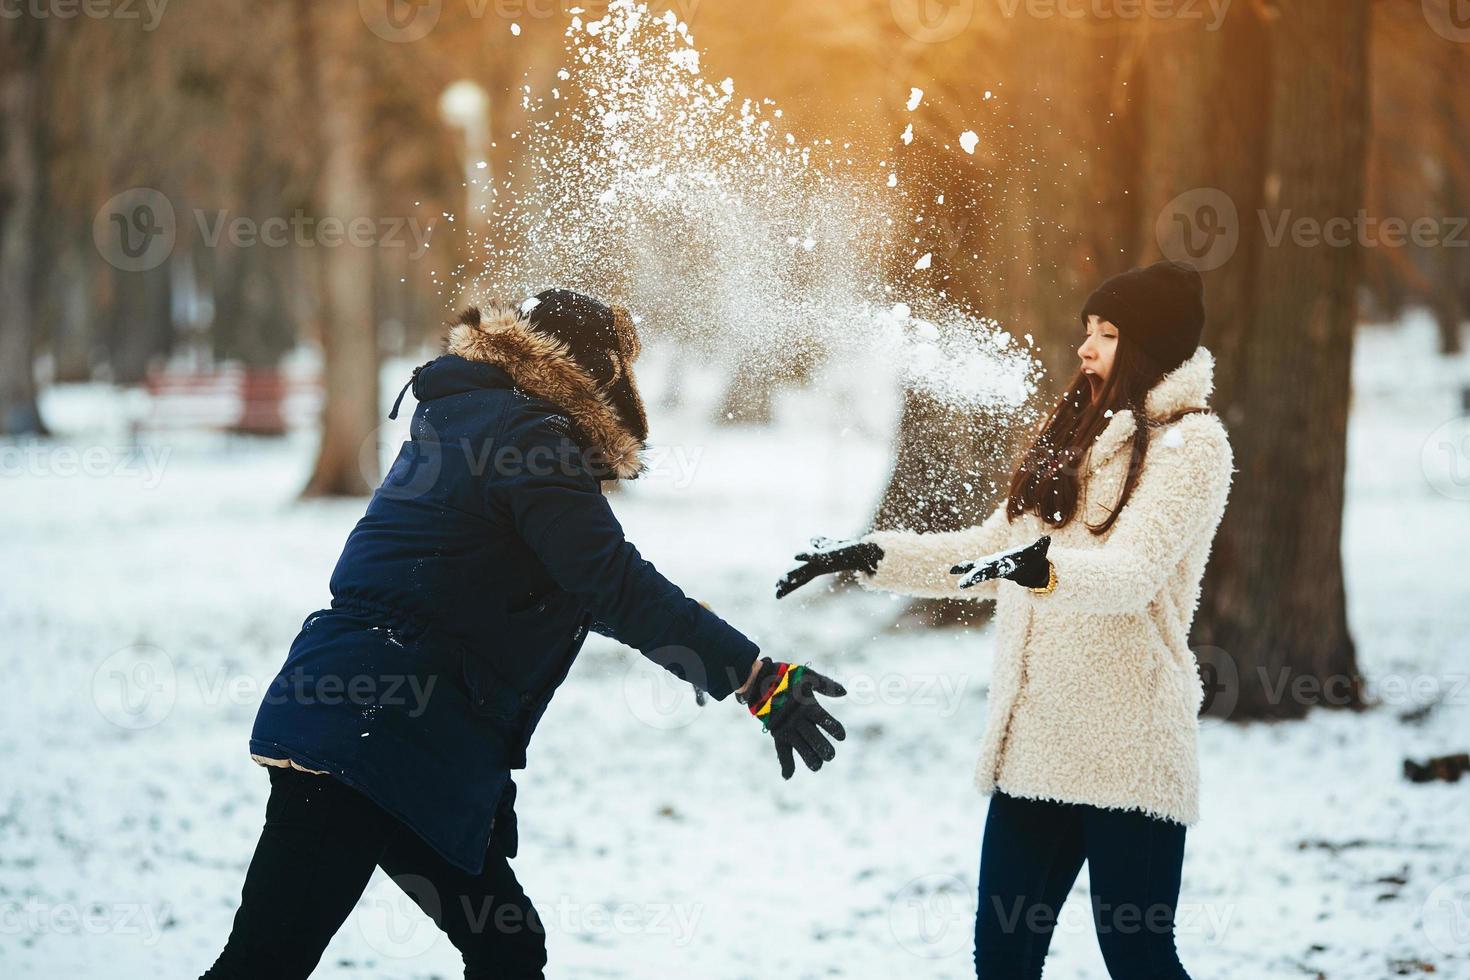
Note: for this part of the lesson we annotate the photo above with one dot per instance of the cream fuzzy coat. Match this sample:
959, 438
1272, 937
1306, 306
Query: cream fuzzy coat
1095, 696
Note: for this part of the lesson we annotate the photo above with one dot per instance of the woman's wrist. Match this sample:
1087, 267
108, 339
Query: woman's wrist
1051, 580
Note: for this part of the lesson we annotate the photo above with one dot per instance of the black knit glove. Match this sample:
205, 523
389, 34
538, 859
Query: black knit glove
827, 556
1026, 566
783, 697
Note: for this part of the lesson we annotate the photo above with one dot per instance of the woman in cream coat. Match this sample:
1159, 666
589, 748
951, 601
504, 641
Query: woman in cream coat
1095, 562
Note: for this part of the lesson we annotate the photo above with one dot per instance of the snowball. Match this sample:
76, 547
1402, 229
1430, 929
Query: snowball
916, 95
924, 260
908, 134
515, 28
968, 141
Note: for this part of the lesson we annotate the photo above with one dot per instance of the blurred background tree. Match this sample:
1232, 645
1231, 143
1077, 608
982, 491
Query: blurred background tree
23, 53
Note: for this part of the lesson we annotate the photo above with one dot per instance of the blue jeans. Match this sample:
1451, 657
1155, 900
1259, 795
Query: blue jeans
1030, 857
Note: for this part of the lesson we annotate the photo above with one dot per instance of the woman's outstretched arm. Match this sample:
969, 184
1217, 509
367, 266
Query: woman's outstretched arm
919, 565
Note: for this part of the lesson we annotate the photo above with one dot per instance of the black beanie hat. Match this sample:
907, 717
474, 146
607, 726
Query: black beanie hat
602, 340
1161, 308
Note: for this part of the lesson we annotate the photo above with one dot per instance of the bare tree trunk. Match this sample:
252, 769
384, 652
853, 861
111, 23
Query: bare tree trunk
947, 475
1207, 104
748, 395
1114, 122
347, 461
139, 321
22, 46
1276, 604
1450, 287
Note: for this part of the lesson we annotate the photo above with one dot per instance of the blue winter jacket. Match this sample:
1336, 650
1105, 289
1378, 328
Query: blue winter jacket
463, 596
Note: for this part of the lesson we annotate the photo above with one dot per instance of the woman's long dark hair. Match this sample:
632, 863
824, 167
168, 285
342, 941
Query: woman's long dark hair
1048, 480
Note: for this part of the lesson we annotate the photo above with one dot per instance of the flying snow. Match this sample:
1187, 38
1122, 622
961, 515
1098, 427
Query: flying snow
726, 227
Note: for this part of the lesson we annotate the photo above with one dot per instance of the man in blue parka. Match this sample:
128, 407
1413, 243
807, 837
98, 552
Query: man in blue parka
460, 600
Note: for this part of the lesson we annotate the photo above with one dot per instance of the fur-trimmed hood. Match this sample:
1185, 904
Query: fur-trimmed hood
543, 366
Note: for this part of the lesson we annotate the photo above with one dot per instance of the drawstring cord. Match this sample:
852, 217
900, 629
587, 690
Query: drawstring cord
404, 390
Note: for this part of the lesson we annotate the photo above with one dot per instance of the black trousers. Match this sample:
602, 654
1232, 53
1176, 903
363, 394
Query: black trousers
1030, 856
319, 847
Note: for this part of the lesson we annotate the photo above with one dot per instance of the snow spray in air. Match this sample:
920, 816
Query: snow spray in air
699, 210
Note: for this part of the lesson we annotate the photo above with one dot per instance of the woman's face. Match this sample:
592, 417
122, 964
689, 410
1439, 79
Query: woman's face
1097, 351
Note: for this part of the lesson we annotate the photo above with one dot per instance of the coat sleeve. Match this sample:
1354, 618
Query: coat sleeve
1180, 495
918, 564
558, 510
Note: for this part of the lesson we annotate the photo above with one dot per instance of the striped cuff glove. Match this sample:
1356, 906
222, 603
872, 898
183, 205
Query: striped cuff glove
783, 697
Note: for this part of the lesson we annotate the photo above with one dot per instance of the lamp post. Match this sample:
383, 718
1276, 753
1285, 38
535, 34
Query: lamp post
466, 106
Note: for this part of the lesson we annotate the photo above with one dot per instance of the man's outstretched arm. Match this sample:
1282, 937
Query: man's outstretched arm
558, 509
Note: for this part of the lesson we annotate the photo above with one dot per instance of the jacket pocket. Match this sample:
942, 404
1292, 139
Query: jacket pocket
490, 696
531, 604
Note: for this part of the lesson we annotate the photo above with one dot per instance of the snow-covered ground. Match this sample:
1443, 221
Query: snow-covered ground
145, 601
